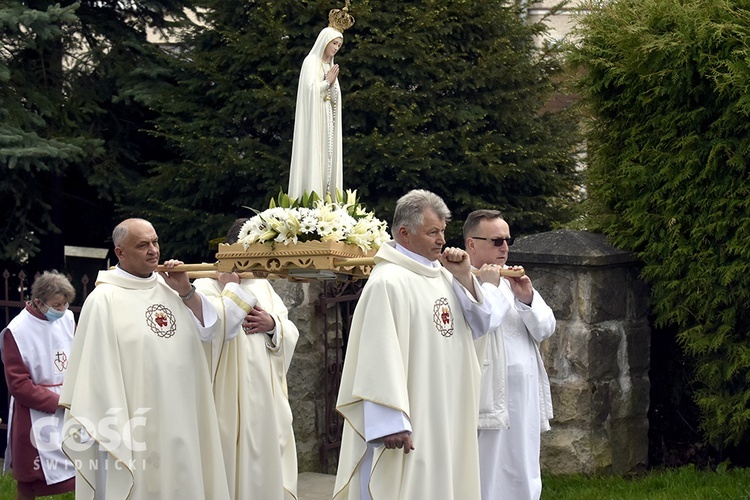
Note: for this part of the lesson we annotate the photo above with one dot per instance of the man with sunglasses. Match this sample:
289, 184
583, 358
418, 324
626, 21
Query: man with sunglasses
515, 405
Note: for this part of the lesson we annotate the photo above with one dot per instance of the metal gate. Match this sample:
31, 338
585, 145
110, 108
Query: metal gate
337, 308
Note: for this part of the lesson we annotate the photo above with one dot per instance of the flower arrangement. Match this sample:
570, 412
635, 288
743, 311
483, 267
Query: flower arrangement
309, 218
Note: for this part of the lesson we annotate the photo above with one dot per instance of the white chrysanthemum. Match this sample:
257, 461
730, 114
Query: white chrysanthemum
346, 221
325, 228
308, 224
336, 225
248, 229
275, 212
252, 231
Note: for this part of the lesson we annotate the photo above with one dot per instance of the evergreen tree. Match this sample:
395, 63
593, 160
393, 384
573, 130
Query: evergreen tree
70, 131
447, 95
667, 84
443, 95
33, 152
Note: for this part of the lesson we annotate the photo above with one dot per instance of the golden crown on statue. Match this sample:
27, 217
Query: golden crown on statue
339, 19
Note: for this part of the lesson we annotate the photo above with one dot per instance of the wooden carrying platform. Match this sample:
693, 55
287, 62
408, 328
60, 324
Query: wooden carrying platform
309, 260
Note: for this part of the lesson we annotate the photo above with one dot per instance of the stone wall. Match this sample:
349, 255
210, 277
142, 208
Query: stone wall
598, 359
311, 373
305, 378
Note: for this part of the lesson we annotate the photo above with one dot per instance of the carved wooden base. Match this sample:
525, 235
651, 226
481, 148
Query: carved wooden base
309, 260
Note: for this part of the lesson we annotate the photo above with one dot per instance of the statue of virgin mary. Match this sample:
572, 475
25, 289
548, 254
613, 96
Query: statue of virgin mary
316, 144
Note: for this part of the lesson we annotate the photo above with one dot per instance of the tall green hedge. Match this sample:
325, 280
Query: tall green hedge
667, 85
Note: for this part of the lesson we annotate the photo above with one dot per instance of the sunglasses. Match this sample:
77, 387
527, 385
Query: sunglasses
498, 242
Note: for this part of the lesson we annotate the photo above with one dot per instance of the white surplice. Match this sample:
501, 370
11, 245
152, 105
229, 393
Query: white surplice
515, 391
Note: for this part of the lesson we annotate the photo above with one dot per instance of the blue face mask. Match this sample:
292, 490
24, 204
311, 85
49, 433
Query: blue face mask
53, 314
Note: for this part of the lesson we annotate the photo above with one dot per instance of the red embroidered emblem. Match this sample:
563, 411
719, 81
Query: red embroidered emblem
443, 317
61, 361
161, 320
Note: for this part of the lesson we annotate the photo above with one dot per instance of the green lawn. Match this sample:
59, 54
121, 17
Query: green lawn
685, 483
8, 490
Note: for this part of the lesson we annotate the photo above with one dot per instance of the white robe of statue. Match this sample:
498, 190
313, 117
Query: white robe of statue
316, 145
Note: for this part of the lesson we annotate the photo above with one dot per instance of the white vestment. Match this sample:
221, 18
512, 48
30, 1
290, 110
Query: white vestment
509, 457
255, 419
44, 347
316, 144
411, 350
138, 383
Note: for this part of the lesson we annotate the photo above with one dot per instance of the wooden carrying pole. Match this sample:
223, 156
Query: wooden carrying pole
196, 271
369, 261
207, 270
188, 268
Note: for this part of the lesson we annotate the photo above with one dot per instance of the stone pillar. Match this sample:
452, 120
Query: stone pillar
306, 374
598, 358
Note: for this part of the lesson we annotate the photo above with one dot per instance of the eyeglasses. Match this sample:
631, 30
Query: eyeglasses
498, 242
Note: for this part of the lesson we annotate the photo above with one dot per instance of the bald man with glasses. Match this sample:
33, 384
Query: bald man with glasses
515, 405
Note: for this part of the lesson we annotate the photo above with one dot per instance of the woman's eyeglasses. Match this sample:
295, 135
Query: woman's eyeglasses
498, 242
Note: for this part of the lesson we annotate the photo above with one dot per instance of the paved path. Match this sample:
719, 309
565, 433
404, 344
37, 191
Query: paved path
314, 486
310, 485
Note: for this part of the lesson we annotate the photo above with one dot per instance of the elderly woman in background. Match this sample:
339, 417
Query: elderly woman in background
316, 146
35, 350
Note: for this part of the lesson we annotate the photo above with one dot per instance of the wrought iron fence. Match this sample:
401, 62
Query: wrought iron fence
337, 308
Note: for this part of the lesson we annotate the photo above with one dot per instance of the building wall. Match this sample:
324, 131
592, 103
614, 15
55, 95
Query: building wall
560, 23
